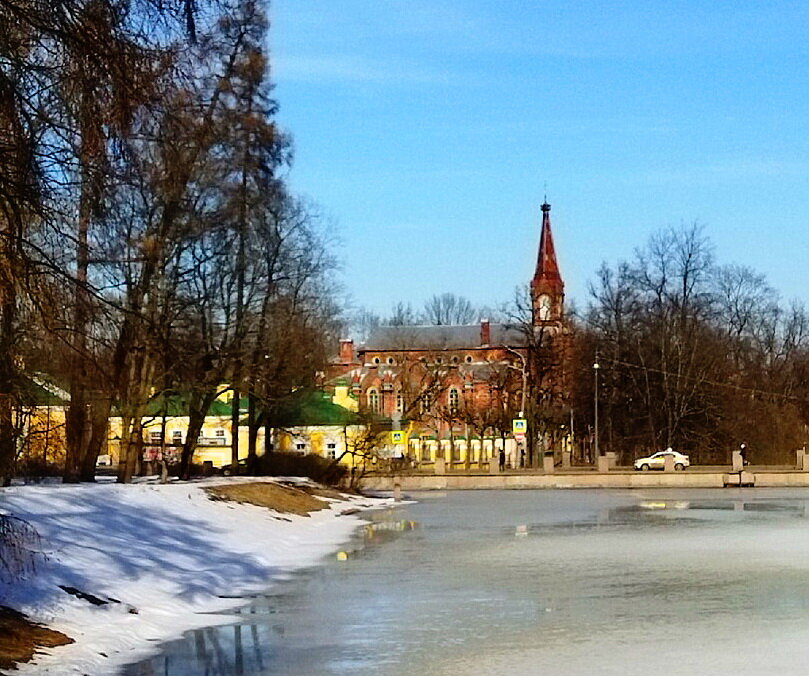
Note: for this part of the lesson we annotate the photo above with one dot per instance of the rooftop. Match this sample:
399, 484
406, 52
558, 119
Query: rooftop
442, 337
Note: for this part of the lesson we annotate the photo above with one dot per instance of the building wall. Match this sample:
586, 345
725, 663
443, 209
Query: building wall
216, 431
43, 441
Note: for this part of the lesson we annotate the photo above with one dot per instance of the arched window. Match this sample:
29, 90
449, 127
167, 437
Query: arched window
373, 401
454, 400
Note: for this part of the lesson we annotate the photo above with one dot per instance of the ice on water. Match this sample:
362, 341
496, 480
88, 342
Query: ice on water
567, 582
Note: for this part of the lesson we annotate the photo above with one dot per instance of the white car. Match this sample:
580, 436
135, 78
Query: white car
658, 460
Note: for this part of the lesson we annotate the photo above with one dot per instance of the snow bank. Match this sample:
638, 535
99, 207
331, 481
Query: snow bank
166, 554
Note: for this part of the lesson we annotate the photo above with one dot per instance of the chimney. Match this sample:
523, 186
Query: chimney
485, 332
346, 351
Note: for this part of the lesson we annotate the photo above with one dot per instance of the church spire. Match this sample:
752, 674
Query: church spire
547, 287
547, 267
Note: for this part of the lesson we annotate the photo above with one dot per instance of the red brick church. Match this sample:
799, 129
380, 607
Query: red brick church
455, 390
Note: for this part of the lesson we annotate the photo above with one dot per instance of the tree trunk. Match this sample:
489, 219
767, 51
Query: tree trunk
234, 430
198, 405
76, 434
123, 448
133, 451
8, 314
99, 430
253, 425
267, 435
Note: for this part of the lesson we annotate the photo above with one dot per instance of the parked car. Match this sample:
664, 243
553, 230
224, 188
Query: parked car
658, 460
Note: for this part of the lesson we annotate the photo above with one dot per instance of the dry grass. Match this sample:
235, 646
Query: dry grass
282, 499
20, 638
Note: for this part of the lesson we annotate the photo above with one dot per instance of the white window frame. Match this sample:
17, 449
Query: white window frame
454, 400
374, 400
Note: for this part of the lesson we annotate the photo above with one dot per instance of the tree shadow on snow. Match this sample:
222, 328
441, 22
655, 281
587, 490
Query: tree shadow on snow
109, 532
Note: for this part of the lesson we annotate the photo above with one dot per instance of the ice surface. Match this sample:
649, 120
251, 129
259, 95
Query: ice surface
541, 582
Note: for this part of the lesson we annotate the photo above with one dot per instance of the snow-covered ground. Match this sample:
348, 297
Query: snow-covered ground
167, 553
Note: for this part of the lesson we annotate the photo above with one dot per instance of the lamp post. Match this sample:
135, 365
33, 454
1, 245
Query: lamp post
524, 371
596, 366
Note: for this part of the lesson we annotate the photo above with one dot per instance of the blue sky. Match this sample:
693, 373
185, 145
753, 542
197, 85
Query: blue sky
427, 130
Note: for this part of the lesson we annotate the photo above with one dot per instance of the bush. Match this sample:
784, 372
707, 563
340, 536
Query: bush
36, 468
315, 467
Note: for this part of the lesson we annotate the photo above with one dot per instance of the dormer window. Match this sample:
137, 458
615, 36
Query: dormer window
377, 360
468, 359
455, 360
391, 361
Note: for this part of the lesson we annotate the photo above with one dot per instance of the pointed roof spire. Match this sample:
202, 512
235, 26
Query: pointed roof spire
547, 271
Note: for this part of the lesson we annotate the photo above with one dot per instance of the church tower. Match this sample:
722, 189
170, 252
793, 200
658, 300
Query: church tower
547, 287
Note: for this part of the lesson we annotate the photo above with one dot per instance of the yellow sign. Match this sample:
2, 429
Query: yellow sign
397, 437
519, 426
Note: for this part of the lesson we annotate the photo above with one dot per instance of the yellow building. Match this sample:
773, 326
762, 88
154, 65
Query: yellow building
312, 422
167, 418
41, 418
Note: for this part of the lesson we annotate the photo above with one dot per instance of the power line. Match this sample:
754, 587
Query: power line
706, 381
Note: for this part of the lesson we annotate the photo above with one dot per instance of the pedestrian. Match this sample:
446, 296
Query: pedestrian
522, 457
502, 459
743, 453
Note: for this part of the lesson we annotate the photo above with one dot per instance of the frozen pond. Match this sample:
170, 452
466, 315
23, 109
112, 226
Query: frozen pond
529, 582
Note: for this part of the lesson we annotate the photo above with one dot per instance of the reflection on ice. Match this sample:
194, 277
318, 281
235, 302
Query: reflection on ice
732, 505
622, 582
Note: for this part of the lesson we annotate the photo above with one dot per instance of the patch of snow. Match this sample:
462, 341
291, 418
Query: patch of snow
166, 552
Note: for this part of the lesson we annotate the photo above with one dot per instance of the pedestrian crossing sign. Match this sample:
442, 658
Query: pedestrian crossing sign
397, 437
519, 426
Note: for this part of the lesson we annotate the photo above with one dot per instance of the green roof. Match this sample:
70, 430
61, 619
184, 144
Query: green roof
39, 392
176, 404
313, 408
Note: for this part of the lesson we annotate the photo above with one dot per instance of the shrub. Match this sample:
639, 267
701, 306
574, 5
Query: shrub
35, 468
315, 467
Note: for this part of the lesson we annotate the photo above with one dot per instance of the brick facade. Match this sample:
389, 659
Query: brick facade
462, 382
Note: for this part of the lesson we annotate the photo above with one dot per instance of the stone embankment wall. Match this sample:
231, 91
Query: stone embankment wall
612, 479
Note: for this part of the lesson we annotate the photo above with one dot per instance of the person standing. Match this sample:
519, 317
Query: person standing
502, 459
743, 453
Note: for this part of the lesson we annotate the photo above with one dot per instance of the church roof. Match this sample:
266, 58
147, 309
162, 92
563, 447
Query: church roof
442, 337
547, 266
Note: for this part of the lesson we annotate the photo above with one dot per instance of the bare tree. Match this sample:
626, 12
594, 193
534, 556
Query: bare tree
692, 355
448, 309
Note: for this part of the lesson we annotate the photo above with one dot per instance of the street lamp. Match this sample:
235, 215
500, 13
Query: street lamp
596, 366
